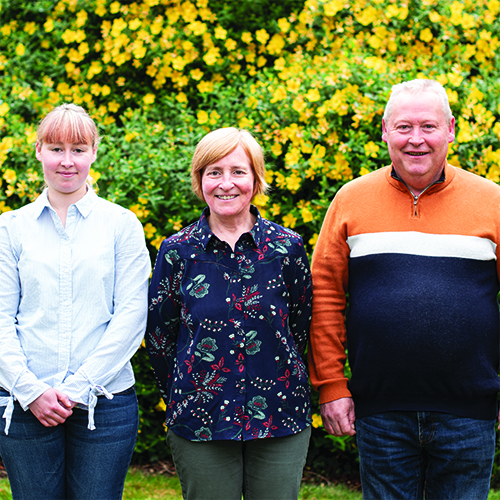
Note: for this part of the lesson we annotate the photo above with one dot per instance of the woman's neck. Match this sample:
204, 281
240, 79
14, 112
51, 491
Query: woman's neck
60, 202
229, 229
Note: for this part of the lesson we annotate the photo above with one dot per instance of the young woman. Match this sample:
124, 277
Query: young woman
74, 270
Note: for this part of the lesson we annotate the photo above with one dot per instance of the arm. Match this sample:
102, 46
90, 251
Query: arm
15, 376
328, 335
125, 330
164, 314
301, 291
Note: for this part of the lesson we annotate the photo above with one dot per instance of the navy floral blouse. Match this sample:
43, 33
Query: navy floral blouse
227, 330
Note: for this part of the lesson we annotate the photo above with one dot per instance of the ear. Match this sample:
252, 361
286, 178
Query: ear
94, 154
384, 131
38, 151
451, 130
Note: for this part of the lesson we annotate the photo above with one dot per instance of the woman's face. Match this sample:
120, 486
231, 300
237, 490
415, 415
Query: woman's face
228, 185
66, 166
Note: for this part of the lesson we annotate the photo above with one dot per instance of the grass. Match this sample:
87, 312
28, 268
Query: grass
141, 485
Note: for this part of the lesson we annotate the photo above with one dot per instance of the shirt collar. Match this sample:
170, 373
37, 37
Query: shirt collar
206, 235
84, 204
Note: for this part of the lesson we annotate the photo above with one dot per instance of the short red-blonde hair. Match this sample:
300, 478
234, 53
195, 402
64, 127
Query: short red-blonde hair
218, 144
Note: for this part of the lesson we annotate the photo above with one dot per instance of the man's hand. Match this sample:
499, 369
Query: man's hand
52, 408
338, 417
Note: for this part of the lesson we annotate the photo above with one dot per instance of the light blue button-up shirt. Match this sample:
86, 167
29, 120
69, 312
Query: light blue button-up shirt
73, 301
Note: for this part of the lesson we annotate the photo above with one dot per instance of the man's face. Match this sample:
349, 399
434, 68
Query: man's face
417, 135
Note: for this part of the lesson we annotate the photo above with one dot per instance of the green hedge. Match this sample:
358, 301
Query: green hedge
309, 79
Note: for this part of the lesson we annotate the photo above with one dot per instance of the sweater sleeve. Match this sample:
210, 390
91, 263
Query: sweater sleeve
327, 352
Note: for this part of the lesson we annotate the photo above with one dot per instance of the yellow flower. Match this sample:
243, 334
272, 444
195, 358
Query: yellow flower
20, 49
214, 117
220, 33
202, 117
81, 18
49, 25
293, 182
276, 149
367, 16
289, 221
4, 108
298, 104
114, 7
283, 24
212, 55
307, 215
275, 209
426, 35
292, 157
176, 223
9, 174
161, 406
363, 171
4, 208
134, 24
230, 44
314, 240
246, 37
157, 241
317, 421
204, 87
279, 94
196, 74
332, 7
371, 149
149, 230
276, 44
313, 95
149, 98
181, 97
261, 200
262, 36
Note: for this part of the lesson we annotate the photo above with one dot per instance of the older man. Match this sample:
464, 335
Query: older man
415, 246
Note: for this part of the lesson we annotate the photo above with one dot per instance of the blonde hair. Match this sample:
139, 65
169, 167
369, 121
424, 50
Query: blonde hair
68, 123
218, 144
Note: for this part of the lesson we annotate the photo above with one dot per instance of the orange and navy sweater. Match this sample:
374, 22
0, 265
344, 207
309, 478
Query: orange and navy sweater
422, 280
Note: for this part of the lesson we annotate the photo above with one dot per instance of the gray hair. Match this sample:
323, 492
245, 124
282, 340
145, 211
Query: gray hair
416, 87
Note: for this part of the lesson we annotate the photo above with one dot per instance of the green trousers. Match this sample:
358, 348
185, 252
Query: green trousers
261, 469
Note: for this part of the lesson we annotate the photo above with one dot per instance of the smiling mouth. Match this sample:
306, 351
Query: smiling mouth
227, 197
412, 153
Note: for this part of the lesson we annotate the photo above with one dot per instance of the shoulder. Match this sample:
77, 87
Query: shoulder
364, 183
473, 183
275, 234
180, 239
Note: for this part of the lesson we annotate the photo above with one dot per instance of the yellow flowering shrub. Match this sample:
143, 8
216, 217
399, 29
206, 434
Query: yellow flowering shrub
309, 79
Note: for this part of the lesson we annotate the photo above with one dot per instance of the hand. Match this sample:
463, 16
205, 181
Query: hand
338, 417
52, 408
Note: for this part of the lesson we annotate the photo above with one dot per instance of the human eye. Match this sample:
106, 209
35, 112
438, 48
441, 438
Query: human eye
403, 127
429, 126
212, 173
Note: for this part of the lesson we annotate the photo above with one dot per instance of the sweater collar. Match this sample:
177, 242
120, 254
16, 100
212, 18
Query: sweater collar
446, 177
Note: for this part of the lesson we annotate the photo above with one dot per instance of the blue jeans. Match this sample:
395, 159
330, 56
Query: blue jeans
260, 469
69, 461
406, 455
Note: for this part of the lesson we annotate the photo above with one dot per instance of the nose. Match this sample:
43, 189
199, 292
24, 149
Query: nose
226, 183
67, 160
416, 137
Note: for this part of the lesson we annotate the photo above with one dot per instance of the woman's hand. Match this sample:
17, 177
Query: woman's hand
52, 408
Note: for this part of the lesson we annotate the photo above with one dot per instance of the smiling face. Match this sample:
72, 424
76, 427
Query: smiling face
417, 135
65, 168
228, 187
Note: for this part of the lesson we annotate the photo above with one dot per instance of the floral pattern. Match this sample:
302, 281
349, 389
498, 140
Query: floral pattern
227, 331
